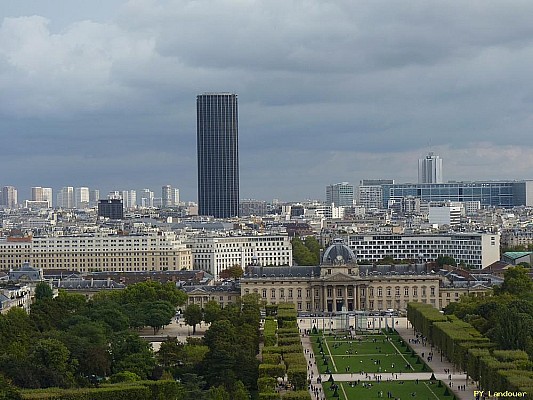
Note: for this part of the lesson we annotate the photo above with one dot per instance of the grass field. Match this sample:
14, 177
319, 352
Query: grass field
379, 353
423, 390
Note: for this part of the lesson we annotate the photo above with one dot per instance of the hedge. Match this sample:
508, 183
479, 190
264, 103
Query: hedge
269, 396
141, 390
266, 384
272, 370
271, 358
297, 395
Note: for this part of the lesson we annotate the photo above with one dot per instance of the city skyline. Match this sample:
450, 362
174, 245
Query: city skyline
102, 94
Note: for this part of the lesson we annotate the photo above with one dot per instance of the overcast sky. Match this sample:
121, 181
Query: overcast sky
103, 93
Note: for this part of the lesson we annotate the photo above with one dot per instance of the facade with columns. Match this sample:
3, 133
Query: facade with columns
339, 284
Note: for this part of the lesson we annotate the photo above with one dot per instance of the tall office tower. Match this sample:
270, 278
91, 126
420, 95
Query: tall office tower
9, 196
81, 197
36, 193
430, 169
129, 198
48, 196
166, 196
341, 194
94, 197
41, 194
218, 154
175, 196
65, 197
147, 198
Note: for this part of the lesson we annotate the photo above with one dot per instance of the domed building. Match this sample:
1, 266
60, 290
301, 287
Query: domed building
340, 284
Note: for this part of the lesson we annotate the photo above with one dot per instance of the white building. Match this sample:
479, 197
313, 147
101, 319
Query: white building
430, 169
215, 254
65, 197
129, 199
477, 250
447, 213
81, 197
147, 198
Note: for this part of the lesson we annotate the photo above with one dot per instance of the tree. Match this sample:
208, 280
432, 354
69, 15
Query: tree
233, 272
193, 316
517, 282
171, 353
212, 311
239, 392
51, 365
43, 291
158, 314
8, 391
445, 260
217, 393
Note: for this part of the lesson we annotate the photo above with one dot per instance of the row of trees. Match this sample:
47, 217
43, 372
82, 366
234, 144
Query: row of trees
489, 337
506, 318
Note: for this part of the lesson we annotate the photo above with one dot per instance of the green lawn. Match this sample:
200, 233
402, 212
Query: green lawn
369, 353
424, 390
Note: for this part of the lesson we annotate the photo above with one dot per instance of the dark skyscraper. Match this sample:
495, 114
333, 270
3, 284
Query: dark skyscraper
218, 154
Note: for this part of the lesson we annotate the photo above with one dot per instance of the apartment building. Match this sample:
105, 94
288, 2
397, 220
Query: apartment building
217, 253
476, 250
157, 251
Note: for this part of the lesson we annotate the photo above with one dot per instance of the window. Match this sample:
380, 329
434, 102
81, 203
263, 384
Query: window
432, 290
330, 292
406, 291
380, 292
299, 292
339, 292
273, 293
290, 293
397, 291
415, 291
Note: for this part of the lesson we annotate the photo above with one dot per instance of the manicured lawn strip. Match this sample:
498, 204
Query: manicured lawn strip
423, 390
368, 353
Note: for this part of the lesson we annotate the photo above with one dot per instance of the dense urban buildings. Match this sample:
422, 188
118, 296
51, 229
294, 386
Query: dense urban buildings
218, 155
430, 169
339, 283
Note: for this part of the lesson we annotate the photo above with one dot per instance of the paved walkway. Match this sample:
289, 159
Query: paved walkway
452, 379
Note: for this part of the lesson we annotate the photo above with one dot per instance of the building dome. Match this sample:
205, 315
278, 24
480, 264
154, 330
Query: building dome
338, 253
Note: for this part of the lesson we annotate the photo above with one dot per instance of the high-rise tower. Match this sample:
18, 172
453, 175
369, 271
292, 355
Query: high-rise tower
341, 194
218, 154
430, 169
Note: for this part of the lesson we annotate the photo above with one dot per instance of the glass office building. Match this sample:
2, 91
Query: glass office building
504, 194
218, 155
